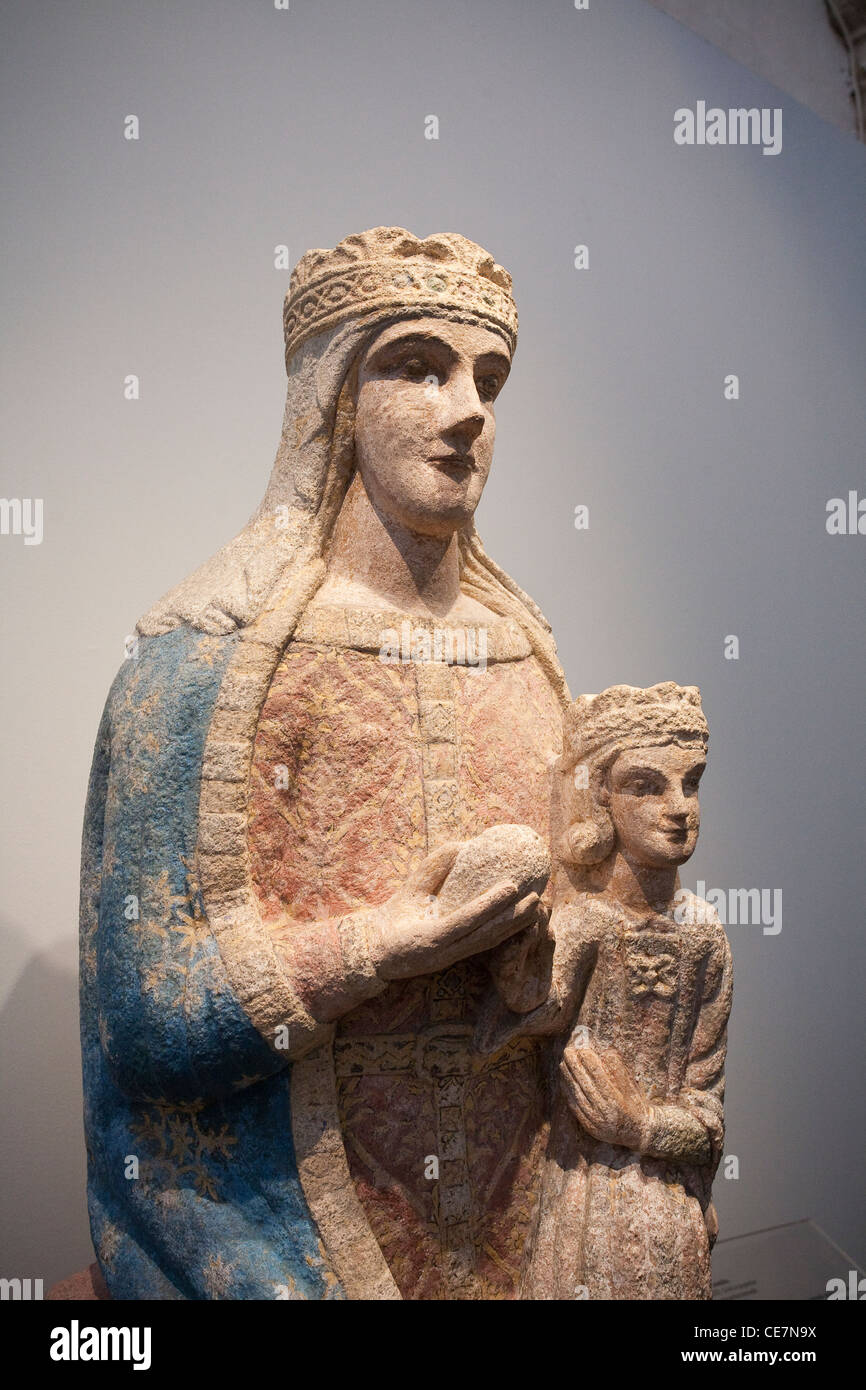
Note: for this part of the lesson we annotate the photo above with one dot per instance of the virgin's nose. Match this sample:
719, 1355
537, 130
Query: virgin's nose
462, 417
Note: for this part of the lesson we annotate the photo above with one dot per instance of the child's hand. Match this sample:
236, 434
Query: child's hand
521, 967
603, 1095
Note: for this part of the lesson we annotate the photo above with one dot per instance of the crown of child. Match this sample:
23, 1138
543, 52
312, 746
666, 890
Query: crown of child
627, 716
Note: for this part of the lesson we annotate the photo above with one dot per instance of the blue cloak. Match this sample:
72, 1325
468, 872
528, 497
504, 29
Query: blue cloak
193, 1187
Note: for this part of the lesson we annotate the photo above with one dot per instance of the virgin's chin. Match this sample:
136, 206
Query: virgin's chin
439, 520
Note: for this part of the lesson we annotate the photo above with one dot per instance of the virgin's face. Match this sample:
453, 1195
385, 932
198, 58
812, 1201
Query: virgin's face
424, 424
653, 803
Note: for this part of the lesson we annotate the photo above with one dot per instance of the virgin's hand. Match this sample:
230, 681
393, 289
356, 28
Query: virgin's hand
408, 936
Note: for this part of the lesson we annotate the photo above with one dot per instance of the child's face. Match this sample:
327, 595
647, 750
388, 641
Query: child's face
653, 803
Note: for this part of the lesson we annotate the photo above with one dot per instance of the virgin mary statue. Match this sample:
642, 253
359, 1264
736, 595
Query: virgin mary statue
283, 1094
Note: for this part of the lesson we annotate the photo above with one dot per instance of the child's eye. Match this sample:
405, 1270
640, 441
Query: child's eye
643, 788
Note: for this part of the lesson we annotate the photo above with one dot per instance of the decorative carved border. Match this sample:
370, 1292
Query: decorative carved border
327, 1182
376, 286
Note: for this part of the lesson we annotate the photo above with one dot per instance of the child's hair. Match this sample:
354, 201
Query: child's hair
600, 727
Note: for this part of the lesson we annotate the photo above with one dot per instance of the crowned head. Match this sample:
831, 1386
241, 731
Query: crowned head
443, 330
634, 759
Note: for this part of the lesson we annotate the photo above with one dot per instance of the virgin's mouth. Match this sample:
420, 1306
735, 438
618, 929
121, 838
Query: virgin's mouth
462, 462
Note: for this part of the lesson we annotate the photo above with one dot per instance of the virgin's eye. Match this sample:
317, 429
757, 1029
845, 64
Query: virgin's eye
416, 369
489, 387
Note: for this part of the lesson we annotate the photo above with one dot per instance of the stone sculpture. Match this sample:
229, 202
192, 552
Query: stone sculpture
640, 997
315, 857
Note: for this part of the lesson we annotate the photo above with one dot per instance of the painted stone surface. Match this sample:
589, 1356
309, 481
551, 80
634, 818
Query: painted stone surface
349, 951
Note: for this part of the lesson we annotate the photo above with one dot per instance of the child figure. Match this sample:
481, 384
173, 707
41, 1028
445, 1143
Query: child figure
638, 1004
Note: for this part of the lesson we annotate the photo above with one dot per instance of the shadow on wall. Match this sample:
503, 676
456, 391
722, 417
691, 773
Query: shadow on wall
43, 1206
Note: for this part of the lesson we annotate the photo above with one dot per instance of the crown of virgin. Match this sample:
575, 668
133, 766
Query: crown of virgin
387, 267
